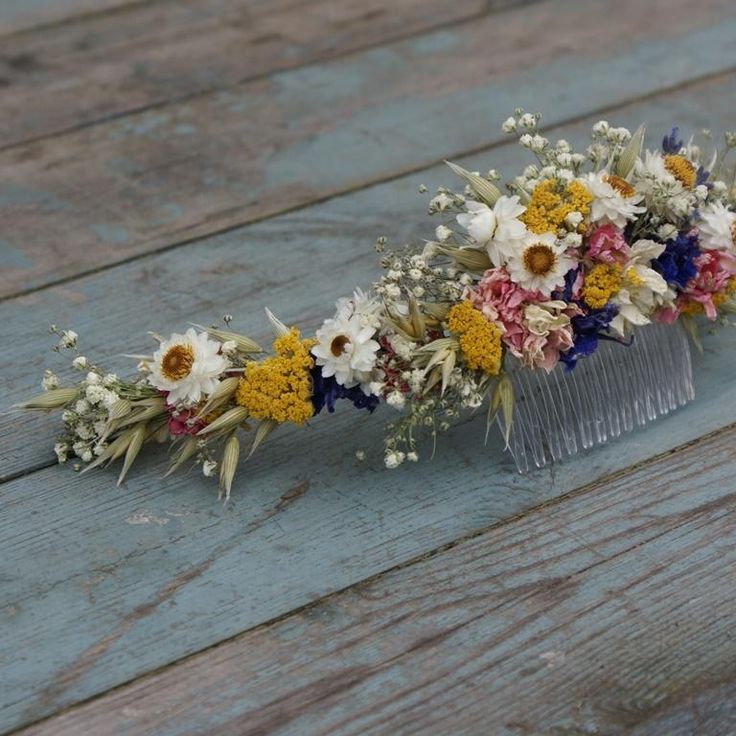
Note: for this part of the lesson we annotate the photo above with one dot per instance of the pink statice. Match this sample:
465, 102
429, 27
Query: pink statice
503, 302
608, 245
715, 271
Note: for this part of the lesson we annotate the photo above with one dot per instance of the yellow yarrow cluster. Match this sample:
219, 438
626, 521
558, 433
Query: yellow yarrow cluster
551, 203
480, 339
603, 282
280, 387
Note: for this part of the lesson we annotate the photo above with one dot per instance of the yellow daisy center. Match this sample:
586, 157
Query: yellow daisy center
539, 259
338, 345
177, 362
733, 232
681, 169
480, 339
620, 185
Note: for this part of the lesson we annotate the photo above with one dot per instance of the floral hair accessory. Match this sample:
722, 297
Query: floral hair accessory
583, 256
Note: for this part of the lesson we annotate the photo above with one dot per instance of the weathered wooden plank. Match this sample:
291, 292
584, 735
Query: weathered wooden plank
63, 76
102, 585
94, 197
609, 612
105, 585
298, 263
19, 15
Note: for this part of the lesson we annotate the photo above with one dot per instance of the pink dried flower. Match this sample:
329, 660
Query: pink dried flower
607, 244
503, 302
183, 421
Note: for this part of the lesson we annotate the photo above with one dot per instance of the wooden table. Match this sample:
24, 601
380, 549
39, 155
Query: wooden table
166, 161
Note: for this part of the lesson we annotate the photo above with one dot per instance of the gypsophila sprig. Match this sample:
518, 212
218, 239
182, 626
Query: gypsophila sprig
532, 270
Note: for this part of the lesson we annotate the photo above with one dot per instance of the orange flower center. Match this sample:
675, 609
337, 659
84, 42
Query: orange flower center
539, 259
681, 169
620, 185
177, 362
733, 232
338, 345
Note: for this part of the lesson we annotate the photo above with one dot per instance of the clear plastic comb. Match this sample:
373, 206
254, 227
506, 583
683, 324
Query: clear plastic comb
611, 392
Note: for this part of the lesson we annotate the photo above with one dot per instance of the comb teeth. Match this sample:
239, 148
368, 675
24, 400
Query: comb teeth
609, 393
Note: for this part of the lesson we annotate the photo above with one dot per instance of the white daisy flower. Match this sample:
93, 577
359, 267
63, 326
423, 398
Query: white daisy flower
346, 350
717, 227
540, 264
614, 199
498, 229
188, 366
643, 290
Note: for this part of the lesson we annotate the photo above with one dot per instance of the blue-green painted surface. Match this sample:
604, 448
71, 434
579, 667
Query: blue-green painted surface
101, 585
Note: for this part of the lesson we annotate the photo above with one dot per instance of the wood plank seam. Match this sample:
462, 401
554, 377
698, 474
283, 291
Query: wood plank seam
171, 588
351, 190
447, 25
76, 18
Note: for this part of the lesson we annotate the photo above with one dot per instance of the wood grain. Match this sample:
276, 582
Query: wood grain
105, 65
22, 15
102, 585
297, 263
608, 612
82, 201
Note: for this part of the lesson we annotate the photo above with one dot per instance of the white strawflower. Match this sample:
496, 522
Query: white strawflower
80, 363
498, 229
346, 350
188, 366
614, 199
509, 125
92, 378
717, 226
540, 264
82, 406
208, 467
642, 290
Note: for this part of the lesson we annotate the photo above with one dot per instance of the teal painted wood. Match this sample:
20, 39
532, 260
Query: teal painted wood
298, 264
116, 190
102, 585
20, 15
106, 65
609, 612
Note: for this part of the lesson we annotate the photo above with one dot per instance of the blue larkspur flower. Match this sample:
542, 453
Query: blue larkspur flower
672, 143
701, 177
565, 294
676, 264
326, 391
588, 329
